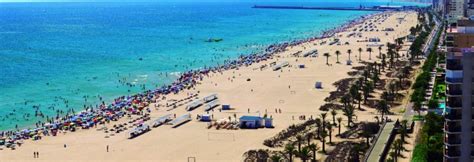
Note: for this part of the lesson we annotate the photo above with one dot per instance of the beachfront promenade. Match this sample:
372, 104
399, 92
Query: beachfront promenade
380, 144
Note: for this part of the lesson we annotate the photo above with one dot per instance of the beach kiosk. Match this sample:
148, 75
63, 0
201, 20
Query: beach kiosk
318, 85
375, 39
268, 123
225, 107
348, 62
250, 122
205, 118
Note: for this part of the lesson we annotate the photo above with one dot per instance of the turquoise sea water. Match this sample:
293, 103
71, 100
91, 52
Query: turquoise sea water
66, 55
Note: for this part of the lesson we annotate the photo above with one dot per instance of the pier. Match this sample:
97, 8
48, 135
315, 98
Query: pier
374, 8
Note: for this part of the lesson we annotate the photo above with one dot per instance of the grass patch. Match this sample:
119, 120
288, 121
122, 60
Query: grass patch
418, 118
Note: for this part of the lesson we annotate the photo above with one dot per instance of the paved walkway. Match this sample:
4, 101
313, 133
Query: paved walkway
379, 145
381, 141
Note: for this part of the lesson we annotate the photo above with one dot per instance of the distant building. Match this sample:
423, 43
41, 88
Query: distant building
455, 10
251, 122
459, 92
470, 9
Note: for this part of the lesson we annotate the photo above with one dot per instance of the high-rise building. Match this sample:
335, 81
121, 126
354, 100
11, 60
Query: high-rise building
470, 8
455, 10
459, 115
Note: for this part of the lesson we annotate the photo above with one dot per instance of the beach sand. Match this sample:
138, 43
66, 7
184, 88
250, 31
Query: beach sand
290, 89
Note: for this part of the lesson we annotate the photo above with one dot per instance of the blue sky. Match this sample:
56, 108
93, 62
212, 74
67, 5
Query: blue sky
186, 0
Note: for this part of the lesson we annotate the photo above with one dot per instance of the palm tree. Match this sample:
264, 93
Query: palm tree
393, 156
370, 53
327, 58
323, 118
382, 107
329, 127
417, 107
349, 113
275, 158
324, 134
290, 150
333, 113
366, 134
360, 50
391, 55
318, 126
398, 146
313, 147
299, 139
380, 51
403, 130
337, 56
309, 136
349, 53
366, 90
304, 154
339, 120
384, 62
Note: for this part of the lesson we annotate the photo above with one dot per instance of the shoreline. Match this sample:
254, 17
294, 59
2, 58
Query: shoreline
268, 50
259, 94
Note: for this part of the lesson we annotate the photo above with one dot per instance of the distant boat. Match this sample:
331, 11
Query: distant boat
214, 40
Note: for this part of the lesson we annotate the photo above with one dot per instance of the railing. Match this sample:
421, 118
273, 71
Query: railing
452, 141
453, 64
453, 116
454, 92
452, 128
454, 80
451, 103
367, 154
451, 153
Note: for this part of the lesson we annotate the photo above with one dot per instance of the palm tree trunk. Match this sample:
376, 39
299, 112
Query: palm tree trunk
382, 116
324, 145
330, 136
348, 121
339, 131
367, 138
359, 105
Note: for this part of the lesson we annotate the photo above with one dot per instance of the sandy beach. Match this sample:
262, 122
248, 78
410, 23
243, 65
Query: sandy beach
250, 90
